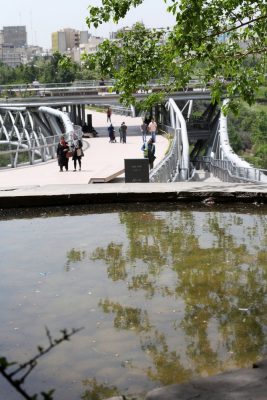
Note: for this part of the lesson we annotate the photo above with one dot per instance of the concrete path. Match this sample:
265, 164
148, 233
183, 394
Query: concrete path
99, 155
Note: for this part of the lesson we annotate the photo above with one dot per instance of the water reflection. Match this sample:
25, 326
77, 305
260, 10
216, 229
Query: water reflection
98, 391
214, 263
74, 256
164, 295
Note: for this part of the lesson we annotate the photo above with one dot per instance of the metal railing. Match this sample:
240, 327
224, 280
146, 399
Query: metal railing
168, 169
49, 89
176, 165
118, 110
223, 163
36, 150
34, 153
27, 137
227, 171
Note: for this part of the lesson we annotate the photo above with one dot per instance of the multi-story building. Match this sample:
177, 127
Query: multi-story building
59, 42
11, 56
15, 36
114, 35
84, 37
68, 39
13, 44
90, 47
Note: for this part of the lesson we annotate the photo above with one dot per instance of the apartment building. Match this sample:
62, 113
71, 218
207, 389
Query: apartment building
67, 39
13, 42
15, 36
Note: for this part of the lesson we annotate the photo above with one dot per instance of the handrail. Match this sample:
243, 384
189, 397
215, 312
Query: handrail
178, 122
42, 88
228, 171
36, 134
54, 140
225, 158
167, 170
121, 110
25, 148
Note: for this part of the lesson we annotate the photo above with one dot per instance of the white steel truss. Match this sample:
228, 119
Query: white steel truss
29, 136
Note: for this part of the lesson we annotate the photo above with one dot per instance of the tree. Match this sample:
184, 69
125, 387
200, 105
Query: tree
132, 61
219, 42
248, 134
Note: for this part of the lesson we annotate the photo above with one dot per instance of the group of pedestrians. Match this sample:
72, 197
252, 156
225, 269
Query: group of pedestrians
122, 132
111, 129
147, 128
66, 151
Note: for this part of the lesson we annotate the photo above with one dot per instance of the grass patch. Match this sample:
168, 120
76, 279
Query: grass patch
96, 108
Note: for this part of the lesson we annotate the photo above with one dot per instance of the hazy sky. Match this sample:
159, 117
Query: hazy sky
42, 17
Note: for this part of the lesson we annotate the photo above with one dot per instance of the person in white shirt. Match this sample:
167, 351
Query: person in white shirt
152, 129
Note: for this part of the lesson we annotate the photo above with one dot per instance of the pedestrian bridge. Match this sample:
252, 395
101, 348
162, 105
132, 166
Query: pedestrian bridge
201, 144
29, 133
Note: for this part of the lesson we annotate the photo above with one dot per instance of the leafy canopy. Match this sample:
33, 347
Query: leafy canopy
222, 43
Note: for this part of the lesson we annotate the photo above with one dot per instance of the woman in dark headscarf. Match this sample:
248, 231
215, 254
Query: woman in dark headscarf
62, 150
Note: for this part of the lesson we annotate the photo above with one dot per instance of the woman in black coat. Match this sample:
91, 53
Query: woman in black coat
62, 150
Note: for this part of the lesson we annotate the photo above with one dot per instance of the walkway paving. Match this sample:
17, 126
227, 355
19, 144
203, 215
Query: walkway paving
99, 155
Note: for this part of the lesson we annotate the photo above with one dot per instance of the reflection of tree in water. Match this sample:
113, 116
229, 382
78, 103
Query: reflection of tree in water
98, 391
113, 256
167, 365
127, 317
220, 278
168, 368
74, 256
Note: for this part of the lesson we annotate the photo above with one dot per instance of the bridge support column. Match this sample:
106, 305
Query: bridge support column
83, 114
73, 114
79, 115
89, 122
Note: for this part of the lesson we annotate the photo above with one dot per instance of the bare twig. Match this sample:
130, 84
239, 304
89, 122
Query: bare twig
31, 364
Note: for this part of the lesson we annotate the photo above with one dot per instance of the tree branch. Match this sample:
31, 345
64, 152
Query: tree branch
31, 364
16, 386
235, 27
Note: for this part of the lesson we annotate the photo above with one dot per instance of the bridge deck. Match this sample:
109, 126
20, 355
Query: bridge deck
100, 157
91, 98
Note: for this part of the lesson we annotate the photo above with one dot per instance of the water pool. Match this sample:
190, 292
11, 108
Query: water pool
163, 296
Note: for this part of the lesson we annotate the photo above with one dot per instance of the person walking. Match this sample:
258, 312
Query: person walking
123, 132
143, 129
152, 128
149, 152
109, 112
77, 152
62, 150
